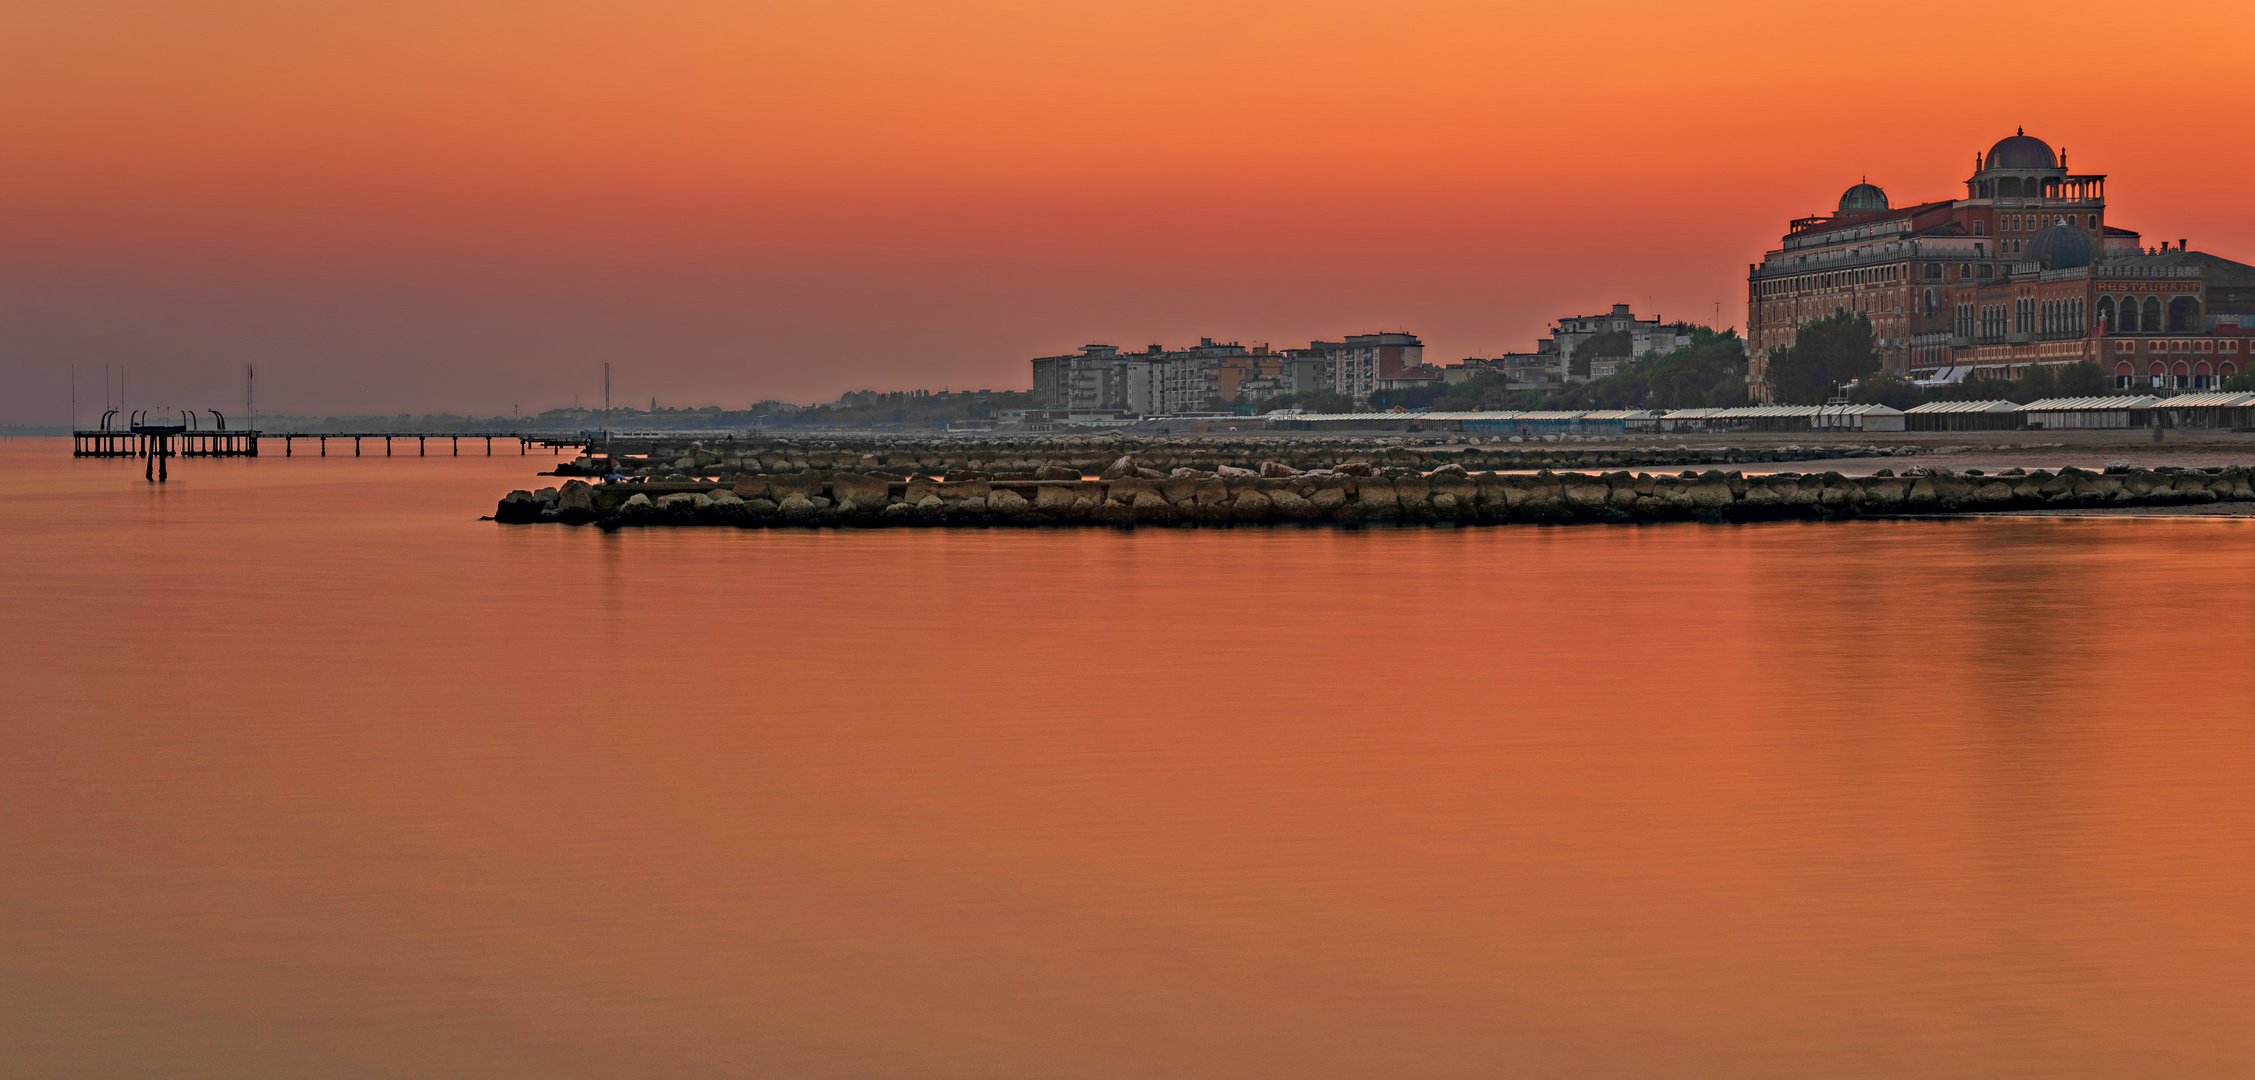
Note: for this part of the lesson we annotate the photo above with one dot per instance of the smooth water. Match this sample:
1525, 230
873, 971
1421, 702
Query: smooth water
310, 773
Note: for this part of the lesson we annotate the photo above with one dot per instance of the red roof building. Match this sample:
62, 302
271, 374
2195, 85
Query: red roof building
2023, 270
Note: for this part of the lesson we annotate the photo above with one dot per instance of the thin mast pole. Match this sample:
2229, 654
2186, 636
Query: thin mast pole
74, 396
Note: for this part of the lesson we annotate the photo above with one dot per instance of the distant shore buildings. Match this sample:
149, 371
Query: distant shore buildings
1214, 376
1211, 375
1604, 342
2024, 270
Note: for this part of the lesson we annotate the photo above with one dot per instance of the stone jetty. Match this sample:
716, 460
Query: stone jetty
1129, 493
902, 457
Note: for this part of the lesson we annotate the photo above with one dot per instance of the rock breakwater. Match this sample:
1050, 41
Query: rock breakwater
1073, 459
1448, 495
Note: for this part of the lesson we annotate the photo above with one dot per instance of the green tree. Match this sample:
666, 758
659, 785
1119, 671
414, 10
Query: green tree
1893, 391
1610, 345
1826, 353
2085, 379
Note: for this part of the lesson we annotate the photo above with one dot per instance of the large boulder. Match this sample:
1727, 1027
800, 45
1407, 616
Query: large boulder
1884, 495
1006, 501
577, 496
1149, 506
1375, 499
802, 484
1056, 472
1285, 502
1056, 499
517, 508
1709, 496
1123, 467
861, 493
795, 507
1586, 493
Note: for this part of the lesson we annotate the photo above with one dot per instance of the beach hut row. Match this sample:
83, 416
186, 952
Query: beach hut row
2214, 411
1786, 418
2210, 411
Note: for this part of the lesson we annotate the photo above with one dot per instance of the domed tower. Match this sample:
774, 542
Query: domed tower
2060, 247
2019, 166
1861, 198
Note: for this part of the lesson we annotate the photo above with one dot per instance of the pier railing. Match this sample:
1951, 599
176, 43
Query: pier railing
117, 442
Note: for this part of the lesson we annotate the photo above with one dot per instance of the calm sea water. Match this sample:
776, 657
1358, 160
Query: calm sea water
309, 773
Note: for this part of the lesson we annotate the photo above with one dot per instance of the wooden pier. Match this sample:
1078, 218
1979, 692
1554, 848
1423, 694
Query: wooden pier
141, 440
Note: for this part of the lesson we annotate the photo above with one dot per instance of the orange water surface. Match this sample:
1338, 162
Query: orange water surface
308, 772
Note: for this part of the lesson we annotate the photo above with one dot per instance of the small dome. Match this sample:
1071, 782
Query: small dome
2060, 247
2021, 151
1863, 197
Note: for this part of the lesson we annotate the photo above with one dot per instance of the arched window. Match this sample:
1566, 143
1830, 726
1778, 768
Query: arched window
2094, 222
2184, 315
2008, 188
2150, 323
2122, 375
2106, 313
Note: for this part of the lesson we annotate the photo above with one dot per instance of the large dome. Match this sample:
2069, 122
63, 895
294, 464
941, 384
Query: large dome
1863, 197
2060, 247
2021, 151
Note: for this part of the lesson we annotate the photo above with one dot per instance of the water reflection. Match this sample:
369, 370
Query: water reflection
428, 795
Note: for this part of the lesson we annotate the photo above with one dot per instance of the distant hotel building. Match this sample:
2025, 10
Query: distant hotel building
1214, 375
2024, 270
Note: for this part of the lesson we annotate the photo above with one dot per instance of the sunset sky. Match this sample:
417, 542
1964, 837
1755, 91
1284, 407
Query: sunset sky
410, 206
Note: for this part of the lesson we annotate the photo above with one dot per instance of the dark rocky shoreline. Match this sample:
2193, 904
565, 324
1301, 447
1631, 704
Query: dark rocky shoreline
1354, 494
1015, 458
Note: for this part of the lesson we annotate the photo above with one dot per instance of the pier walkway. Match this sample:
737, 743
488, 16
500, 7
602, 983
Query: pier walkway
142, 440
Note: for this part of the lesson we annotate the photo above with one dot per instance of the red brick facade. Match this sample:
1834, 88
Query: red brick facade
2023, 270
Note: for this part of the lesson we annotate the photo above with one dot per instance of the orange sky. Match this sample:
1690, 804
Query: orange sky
413, 205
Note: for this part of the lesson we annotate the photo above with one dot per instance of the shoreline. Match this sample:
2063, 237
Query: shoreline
1361, 495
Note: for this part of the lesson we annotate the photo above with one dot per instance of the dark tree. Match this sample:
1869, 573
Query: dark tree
1825, 354
1893, 391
